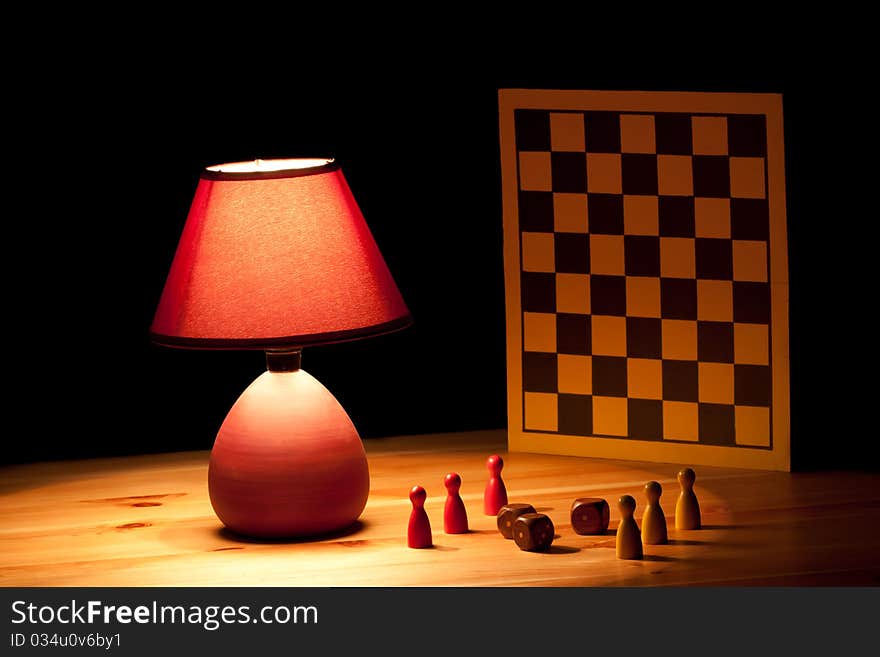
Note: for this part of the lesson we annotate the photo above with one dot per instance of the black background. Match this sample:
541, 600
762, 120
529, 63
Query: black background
120, 133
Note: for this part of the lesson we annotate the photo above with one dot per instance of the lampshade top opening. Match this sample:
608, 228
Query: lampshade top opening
280, 168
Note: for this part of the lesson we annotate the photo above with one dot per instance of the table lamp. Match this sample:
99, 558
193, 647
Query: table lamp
276, 255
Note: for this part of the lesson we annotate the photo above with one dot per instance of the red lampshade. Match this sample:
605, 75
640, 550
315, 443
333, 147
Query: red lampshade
275, 253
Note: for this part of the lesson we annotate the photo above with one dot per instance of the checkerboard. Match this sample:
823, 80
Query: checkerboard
646, 269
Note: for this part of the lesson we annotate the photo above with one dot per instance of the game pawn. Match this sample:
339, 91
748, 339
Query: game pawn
418, 533
687, 509
454, 514
495, 495
629, 539
653, 519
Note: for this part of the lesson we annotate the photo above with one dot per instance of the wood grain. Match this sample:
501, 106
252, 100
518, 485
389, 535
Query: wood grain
147, 521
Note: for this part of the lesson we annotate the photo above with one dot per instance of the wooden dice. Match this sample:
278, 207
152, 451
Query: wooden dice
533, 532
590, 515
508, 514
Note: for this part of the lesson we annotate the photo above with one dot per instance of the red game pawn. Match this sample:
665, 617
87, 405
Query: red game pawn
454, 513
496, 494
418, 534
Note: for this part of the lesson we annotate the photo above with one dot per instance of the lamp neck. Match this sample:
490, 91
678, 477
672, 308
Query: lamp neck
287, 360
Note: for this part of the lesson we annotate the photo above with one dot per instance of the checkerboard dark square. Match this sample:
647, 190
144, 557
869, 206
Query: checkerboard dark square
673, 134
572, 253
643, 337
608, 295
717, 424
715, 342
639, 174
676, 214
711, 176
609, 376
641, 255
751, 302
605, 213
749, 219
678, 298
714, 258
573, 334
538, 292
751, 385
536, 212
747, 136
539, 372
532, 130
575, 414
645, 419
602, 132
680, 382
569, 172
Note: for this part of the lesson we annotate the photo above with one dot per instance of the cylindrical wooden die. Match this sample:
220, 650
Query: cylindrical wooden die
533, 532
508, 514
590, 515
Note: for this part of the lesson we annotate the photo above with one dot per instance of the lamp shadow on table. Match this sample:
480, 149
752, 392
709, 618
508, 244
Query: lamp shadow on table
228, 535
211, 537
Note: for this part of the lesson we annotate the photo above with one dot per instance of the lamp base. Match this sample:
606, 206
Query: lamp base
287, 460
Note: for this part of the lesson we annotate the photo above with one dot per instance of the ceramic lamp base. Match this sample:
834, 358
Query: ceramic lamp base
287, 460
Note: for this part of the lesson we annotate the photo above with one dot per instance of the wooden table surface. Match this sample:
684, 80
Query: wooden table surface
147, 521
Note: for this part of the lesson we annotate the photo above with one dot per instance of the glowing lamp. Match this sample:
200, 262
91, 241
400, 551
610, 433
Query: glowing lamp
275, 255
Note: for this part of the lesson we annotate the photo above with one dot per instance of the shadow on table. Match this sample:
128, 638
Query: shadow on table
659, 557
357, 526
